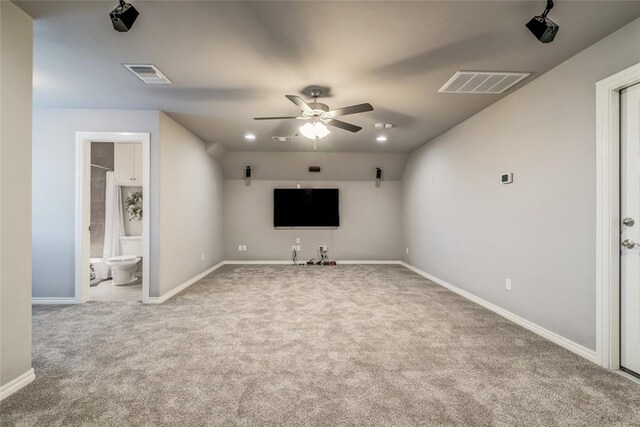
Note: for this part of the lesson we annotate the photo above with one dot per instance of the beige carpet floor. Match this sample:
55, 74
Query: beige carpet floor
284, 345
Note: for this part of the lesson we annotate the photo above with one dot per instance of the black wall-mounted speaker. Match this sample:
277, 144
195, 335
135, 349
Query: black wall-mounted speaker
314, 168
123, 17
378, 174
543, 28
247, 172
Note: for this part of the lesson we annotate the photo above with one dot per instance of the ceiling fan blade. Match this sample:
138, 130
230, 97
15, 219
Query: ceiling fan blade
276, 118
300, 103
353, 109
343, 125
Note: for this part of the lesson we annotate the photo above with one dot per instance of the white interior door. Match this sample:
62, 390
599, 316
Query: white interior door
630, 229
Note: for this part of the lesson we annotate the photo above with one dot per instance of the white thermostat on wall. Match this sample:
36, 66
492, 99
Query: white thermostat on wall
506, 178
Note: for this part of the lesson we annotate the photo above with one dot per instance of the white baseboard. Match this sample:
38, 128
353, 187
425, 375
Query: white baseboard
289, 262
54, 300
373, 261
240, 262
16, 384
185, 285
566, 343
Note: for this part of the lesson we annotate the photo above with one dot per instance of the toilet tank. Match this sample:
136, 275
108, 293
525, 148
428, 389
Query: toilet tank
131, 245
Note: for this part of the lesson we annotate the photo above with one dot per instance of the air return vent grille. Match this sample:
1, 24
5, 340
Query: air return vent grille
482, 82
282, 138
148, 73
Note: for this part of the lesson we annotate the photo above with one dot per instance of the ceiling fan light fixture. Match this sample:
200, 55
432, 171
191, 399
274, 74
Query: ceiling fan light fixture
316, 130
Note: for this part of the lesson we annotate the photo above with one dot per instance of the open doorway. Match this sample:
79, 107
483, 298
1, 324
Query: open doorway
115, 218
112, 216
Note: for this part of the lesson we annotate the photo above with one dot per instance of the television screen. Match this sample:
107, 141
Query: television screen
309, 207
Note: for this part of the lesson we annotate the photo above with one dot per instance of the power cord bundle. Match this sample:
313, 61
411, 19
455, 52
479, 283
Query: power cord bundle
323, 258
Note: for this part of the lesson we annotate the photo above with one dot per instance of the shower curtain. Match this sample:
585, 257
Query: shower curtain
113, 222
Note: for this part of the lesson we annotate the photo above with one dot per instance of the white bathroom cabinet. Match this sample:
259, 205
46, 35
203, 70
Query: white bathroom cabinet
128, 164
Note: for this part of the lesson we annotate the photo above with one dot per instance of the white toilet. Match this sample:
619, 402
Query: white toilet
124, 267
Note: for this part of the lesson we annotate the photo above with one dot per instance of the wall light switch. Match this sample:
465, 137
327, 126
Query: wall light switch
297, 240
293, 248
407, 250
244, 248
508, 285
202, 256
240, 248
298, 248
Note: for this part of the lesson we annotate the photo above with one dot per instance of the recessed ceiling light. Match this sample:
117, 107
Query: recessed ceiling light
250, 137
381, 139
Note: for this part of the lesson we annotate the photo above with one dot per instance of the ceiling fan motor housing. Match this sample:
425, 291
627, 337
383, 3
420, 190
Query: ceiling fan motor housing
319, 109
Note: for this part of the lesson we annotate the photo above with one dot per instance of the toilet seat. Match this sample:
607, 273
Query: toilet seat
123, 258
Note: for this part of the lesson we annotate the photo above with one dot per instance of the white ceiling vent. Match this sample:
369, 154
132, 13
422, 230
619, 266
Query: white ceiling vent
282, 138
148, 73
482, 82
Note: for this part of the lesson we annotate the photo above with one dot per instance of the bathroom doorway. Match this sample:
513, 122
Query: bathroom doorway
112, 221
115, 222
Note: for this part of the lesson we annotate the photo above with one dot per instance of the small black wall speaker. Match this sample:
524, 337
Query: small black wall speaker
314, 168
247, 172
543, 28
378, 174
123, 17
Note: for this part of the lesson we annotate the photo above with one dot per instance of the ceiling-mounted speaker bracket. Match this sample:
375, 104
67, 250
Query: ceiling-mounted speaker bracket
315, 91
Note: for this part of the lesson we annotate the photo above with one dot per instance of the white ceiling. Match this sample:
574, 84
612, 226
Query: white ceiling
231, 61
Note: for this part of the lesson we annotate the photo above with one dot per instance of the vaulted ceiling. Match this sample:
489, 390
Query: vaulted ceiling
232, 61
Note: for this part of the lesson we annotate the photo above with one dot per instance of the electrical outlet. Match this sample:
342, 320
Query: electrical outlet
239, 248
244, 248
293, 248
297, 240
202, 256
508, 285
298, 248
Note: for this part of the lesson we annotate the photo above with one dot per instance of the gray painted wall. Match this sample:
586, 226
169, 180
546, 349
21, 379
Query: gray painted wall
190, 206
291, 166
54, 189
16, 53
370, 219
464, 227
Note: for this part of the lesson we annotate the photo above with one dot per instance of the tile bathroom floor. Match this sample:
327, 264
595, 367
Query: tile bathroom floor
107, 291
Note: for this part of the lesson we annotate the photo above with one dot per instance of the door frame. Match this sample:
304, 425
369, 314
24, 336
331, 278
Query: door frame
83, 206
608, 214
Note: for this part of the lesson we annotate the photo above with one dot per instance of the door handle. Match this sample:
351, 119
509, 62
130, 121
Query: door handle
629, 244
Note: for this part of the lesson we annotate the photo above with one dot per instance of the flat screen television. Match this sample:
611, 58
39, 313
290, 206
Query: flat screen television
308, 207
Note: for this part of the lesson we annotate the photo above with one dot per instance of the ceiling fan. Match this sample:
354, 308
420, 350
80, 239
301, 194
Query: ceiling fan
318, 115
